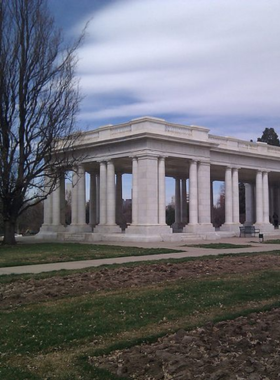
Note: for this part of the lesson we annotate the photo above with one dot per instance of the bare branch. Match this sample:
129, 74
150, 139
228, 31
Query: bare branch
39, 99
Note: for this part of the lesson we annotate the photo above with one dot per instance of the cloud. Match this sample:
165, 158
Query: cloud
212, 60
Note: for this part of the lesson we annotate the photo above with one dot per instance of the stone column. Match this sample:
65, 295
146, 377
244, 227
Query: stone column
204, 203
148, 198
249, 204
134, 190
231, 201
262, 202
48, 211
228, 196
62, 199
272, 202
235, 196
93, 200
97, 198
74, 199
212, 200
111, 194
119, 199
103, 193
254, 202
81, 187
107, 200
47, 204
193, 201
184, 202
52, 211
161, 191
259, 198
265, 198
148, 190
56, 206
78, 202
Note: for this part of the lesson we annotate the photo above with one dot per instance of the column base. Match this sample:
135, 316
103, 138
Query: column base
178, 226
199, 228
149, 230
248, 223
264, 227
79, 228
232, 227
49, 231
107, 229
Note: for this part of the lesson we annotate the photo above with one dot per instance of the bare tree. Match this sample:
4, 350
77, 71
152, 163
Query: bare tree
30, 220
39, 98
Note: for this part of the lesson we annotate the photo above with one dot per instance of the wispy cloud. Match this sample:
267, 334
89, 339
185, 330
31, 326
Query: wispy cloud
193, 60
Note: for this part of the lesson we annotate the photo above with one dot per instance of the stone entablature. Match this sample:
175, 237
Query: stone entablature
151, 149
155, 126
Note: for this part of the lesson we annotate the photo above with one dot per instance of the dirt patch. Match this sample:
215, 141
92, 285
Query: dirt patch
35, 290
245, 348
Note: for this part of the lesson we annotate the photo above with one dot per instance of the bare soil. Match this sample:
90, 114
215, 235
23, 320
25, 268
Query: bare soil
247, 348
35, 290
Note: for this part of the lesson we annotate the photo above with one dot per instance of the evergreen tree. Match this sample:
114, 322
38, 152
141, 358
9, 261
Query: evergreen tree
270, 137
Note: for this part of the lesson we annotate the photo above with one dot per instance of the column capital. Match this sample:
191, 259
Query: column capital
207, 163
263, 171
150, 156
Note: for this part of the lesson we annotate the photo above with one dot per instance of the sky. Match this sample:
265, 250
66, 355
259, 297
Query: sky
213, 63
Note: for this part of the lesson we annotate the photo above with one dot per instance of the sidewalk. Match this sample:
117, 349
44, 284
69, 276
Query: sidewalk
186, 252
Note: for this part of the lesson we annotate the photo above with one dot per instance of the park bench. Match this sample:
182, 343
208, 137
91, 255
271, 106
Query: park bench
248, 230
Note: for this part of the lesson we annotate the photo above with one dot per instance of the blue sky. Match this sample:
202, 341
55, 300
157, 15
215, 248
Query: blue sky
211, 63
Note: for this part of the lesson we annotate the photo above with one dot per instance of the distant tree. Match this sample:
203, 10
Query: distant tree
127, 212
170, 214
31, 219
68, 201
219, 209
270, 137
242, 207
39, 99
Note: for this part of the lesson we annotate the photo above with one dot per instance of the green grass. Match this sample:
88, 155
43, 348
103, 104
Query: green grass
219, 245
273, 241
53, 339
41, 253
6, 279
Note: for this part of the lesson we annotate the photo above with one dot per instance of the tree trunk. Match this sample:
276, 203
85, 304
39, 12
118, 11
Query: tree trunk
9, 232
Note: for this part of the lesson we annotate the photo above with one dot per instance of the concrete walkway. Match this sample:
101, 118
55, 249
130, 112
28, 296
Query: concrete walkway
187, 251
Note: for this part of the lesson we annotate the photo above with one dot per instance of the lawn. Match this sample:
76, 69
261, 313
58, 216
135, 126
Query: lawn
273, 241
218, 245
40, 253
53, 339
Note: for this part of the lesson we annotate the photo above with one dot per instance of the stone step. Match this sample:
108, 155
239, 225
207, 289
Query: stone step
74, 236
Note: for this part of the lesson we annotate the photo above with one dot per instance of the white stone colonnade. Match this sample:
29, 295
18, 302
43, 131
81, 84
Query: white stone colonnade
150, 150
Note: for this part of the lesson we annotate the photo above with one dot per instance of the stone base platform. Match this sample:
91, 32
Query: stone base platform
123, 237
